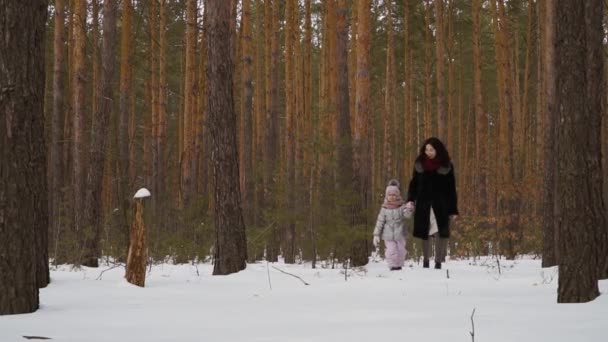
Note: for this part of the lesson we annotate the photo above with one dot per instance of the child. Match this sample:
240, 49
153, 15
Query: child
390, 226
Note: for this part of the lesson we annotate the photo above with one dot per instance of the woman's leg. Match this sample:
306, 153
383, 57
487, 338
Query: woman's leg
426, 251
440, 249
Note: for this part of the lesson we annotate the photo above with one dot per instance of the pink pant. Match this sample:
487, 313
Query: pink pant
394, 252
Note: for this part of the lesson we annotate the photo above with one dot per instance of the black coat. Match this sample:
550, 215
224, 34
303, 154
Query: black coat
436, 189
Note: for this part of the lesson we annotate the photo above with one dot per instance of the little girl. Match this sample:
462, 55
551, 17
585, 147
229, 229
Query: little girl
391, 226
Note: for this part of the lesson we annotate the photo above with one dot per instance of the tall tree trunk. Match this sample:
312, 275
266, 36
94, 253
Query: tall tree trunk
481, 146
161, 198
310, 132
189, 101
94, 89
389, 99
270, 157
580, 97
451, 60
78, 105
56, 151
548, 116
23, 178
428, 114
99, 132
230, 244
290, 119
440, 71
409, 125
124, 143
361, 171
246, 112
260, 112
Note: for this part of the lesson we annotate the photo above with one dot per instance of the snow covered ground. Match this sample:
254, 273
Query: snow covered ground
373, 304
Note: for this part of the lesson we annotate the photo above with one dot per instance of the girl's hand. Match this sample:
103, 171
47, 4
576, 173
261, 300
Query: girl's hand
453, 217
376, 240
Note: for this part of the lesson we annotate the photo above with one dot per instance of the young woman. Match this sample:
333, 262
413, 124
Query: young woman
433, 192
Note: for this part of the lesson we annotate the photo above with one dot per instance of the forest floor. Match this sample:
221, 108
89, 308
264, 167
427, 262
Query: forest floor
516, 302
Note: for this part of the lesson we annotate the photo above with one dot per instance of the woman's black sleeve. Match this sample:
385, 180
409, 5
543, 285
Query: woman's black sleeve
412, 192
452, 196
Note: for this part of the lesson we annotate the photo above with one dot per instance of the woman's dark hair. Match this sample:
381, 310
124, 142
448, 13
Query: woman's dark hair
442, 153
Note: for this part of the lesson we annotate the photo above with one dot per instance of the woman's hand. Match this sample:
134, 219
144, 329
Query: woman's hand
453, 218
376, 240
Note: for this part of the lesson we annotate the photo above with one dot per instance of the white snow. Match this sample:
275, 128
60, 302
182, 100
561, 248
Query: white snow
374, 304
142, 193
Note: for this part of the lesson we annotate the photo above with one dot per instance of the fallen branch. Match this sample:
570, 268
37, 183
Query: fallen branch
36, 338
293, 275
268, 271
473, 326
107, 269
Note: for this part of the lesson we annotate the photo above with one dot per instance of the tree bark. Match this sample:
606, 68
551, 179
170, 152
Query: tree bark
230, 244
481, 118
581, 215
548, 129
440, 71
124, 102
389, 100
246, 112
290, 123
56, 149
270, 155
23, 178
78, 105
99, 131
137, 257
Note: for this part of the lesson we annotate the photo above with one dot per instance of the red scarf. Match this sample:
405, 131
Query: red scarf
430, 165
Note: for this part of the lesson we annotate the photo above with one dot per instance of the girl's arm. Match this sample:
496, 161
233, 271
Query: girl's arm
380, 223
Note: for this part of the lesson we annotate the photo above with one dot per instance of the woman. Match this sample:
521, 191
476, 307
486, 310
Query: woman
433, 192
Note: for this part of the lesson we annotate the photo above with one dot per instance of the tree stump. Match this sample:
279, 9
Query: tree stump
136, 259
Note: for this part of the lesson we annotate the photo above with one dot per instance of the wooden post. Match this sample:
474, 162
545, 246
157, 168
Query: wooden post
136, 260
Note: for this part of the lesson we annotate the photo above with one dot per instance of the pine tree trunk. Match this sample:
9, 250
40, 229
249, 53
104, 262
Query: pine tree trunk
270, 157
481, 146
260, 111
189, 101
290, 119
99, 132
361, 172
161, 197
230, 244
126, 42
548, 129
389, 100
580, 92
56, 147
409, 125
428, 114
78, 105
23, 178
246, 112
440, 71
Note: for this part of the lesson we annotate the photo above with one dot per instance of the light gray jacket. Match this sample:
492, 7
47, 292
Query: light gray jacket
391, 223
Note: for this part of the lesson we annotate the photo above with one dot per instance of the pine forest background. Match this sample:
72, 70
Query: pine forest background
333, 99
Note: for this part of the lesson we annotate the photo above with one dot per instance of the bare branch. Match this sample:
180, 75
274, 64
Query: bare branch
293, 275
472, 332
